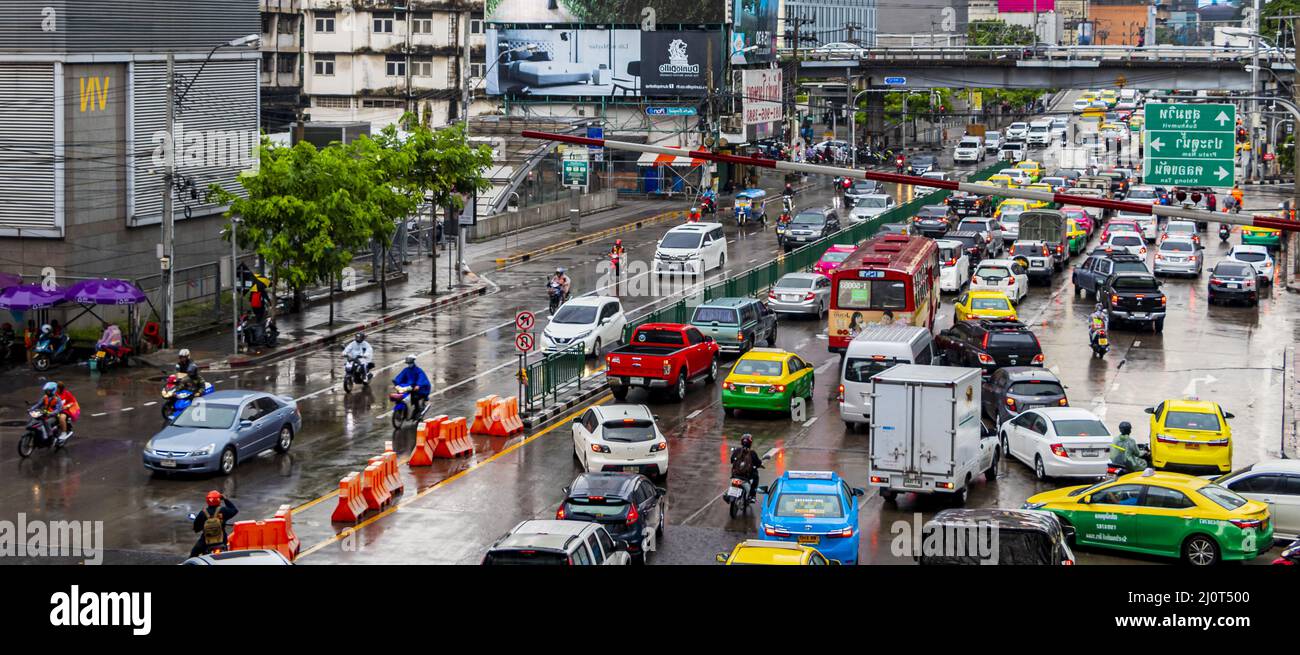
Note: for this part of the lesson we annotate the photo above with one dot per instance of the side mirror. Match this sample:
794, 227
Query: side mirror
859, 492
1229, 415
619, 544
577, 421
661, 491
762, 489
566, 490
708, 339
1150, 410
1087, 500
720, 558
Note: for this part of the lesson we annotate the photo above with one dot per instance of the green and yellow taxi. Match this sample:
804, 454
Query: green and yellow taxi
1003, 180
1261, 236
773, 553
1042, 187
1161, 513
1077, 235
1109, 96
974, 305
1016, 205
1190, 433
1033, 168
767, 379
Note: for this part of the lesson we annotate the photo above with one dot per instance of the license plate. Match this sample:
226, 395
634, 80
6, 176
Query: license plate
912, 480
1088, 452
810, 539
168, 463
733, 492
1192, 446
789, 298
636, 381
99, 353
1104, 341
1233, 285
1139, 314
751, 389
1037, 264
631, 469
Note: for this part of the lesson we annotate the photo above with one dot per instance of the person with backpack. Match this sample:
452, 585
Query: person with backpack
211, 524
745, 463
257, 302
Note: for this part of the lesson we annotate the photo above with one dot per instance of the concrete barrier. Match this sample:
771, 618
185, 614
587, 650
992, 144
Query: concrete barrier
538, 215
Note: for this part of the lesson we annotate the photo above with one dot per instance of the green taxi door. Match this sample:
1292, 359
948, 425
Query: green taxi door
1111, 521
1166, 518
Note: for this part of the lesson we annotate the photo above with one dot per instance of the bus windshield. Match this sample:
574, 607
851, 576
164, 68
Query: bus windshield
872, 294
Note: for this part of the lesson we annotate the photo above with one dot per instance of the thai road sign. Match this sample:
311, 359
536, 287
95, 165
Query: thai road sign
524, 321
895, 81
524, 342
575, 173
1189, 144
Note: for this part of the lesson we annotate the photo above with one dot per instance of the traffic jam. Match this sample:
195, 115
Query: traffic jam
1013, 334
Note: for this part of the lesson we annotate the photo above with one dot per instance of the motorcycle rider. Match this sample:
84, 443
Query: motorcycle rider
70, 412
360, 350
694, 215
1098, 322
565, 284
52, 404
788, 192
211, 524
745, 463
191, 370
1124, 450
1237, 197
413, 377
616, 256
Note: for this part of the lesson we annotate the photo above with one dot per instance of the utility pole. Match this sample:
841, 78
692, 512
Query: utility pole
1254, 91
1295, 147
167, 261
465, 100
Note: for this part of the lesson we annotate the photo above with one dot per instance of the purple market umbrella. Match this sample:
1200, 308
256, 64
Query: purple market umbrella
10, 280
104, 292
25, 297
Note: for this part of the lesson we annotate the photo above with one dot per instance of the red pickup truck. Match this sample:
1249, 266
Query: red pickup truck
662, 356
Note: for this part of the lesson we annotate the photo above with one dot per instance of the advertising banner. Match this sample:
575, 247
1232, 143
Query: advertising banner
647, 14
754, 24
1026, 6
761, 96
564, 62
680, 63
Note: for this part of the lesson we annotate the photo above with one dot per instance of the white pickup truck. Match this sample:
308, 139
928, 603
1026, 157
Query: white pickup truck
970, 148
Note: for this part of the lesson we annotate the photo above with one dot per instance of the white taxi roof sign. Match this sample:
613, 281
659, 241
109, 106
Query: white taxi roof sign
809, 475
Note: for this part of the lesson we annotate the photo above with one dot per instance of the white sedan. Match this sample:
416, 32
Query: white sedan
593, 321
1276, 483
954, 264
1058, 442
870, 206
1003, 275
620, 438
1256, 256
1129, 242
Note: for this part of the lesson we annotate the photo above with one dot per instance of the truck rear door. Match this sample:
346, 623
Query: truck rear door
891, 438
934, 420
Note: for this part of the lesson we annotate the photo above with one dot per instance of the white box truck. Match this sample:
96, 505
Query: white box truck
926, 433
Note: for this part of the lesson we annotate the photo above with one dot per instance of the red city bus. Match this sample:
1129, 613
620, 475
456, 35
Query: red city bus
897, 273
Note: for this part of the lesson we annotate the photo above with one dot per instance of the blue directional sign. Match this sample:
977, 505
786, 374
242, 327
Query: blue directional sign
895, 81
670, 111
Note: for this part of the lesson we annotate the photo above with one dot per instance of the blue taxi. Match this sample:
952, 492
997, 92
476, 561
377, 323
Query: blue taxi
813, 508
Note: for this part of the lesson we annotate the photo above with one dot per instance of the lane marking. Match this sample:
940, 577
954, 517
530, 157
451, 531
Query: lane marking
694, 414
98, 414
810, 421
127, 409
1137, 344
441, 483
151, 403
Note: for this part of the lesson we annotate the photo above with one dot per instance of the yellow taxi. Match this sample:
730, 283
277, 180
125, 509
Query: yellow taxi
1016, 205
1077, 236
1004, 181
767, 379
974, 305
1033, 168
1089, 96
1190, 433
1109, 96
1042, 187
779, 553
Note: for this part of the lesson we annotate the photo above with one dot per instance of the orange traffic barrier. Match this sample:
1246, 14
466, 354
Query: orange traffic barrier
395, 484
483, 415
351, 503
285, 513
372, 487
272, 534
426, 433
453, 439
505, 417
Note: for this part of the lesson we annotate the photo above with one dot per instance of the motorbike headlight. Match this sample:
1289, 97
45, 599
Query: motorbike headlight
206, 450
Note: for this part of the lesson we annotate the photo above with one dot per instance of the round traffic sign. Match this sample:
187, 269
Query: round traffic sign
524, 342
524, 321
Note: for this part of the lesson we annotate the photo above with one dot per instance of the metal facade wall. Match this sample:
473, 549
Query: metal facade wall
123, 25
27, 150
831, 16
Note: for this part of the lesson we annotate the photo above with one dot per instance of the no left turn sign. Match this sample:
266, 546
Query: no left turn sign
524, 321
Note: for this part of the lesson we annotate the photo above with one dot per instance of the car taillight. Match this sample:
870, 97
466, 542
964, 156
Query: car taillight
809, 296
1013, 250
740, 336
1165, 439
950, 262
771, 295
1038, 359
728, 386
1215, 280
841, 393
776, 388
632, 515
559, 513
1010, 281
1114, 299
877, 479
1142, 250
838, 534
1164, 301
1011, 403
659, 447
1247, 523
985, 359
1060, 249
1059, 450
1063, 402
975, 279
773, 531
598, 448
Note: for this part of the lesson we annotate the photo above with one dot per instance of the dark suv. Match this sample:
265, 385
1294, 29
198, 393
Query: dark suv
973, 243
989, 345
1014, 389
933, 220
1100, 265
1135, 298
628, 505
810, 225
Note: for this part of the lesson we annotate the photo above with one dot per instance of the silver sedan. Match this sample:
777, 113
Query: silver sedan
800, 293
1178, 255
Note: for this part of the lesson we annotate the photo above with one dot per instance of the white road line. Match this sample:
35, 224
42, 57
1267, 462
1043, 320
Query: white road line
1137, 344
810, 421
233, 377
731, 240
127, 409
151, 403
801, 344
98, 414
693, 414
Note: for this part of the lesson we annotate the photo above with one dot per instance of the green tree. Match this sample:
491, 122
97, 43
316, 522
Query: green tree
1269, 27
996, 32
385, 200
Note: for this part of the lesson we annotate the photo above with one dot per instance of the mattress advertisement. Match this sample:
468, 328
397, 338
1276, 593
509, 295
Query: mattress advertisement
1026, 6
646, 14
564, 62
681, 63
754, 27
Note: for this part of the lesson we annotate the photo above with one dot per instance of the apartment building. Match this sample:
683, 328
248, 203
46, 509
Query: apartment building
281, 75
372, 61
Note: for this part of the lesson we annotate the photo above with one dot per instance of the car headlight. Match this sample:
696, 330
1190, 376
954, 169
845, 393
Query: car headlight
206, 450
583, 335
1033, 505
148, 447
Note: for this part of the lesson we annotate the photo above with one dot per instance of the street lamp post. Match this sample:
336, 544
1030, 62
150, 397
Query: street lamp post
234, 279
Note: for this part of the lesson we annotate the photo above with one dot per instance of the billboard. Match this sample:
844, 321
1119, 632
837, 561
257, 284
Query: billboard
754, 24
680, 63
761, 99
647, 14
1026, 6
564, 62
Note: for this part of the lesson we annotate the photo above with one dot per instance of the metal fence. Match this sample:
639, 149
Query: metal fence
554, 373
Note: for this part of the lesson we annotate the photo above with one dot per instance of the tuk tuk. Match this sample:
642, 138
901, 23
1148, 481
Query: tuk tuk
966, 536
749, 206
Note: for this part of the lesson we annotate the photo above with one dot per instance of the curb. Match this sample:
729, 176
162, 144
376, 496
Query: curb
502, 262
546, 415
244, 362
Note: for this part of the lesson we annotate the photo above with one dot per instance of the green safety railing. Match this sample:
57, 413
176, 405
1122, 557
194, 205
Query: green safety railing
559, 370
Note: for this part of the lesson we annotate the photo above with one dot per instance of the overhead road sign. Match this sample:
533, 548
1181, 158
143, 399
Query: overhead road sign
1189, 144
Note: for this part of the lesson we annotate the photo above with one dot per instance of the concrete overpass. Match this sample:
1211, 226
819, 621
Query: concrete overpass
1181, 68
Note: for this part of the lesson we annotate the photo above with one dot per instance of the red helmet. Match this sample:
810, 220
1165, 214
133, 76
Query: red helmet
618, 242
214, 498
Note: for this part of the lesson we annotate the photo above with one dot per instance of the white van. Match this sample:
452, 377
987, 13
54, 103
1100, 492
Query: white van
1040, 133
875, 349
691, 249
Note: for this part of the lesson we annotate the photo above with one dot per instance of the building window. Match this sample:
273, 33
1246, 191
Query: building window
328, 102
287, 25
476, 26
266, 62
476, 69
382, 104
324, 64
287, 63
383, 23
422, 67
422, 23
395, 65
266, 23
325, 22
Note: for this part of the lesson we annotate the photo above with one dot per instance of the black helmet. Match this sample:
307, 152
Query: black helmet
747, 440
1125, 427
361, 336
